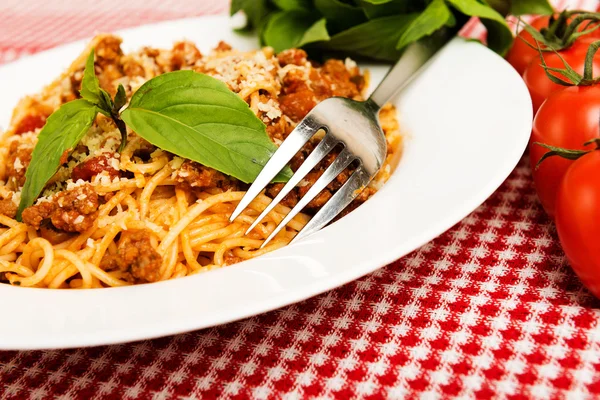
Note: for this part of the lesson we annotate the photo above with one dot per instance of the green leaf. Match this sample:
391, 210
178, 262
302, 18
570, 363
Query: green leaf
435, 16
120, 99
287, 29
256, 11
522, 7
288, 5
500, 37
62, 132
375, 39
385, 8
90, 88
197, 117
316, 33
377, 2
502, 6
340, 15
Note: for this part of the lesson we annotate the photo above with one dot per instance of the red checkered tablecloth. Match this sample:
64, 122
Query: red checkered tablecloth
490, 309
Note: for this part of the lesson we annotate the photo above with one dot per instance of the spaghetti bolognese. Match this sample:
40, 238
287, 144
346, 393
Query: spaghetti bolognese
114, 217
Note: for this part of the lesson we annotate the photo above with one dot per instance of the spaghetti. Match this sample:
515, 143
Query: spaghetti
144, 215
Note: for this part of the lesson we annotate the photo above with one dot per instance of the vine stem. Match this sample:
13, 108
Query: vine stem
588, 71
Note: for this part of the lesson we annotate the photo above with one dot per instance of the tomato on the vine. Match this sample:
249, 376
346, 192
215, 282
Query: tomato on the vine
567, 119
578, 218
536, 79
556, 32
521, 53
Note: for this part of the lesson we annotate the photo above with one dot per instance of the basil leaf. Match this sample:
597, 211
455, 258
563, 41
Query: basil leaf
340, 15
120, 99
501, 6
385, 8
500, 37
522, 7
288, 29
256, 11
90, 88
316, 33
288, 5
91, 91
375, 39
62, 132
197, 117
435, 16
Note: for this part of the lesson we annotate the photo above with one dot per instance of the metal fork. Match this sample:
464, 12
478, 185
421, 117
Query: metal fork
352, 124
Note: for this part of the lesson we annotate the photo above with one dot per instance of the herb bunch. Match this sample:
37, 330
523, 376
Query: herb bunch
376, 29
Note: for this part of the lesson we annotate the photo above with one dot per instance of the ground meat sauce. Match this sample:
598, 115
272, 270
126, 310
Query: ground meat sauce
17, 161
192, 175
184, 55
223, 46
8, 208
108, 68
292, 56
71, 210
301, 95
94, 166
135, 256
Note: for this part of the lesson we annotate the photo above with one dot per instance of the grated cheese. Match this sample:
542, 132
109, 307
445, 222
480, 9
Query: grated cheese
72, 185
271, 109
18, 165
16, 197
176, 162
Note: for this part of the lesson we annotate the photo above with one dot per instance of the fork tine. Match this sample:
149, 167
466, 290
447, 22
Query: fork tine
337, 166
290, 146
340, 200
323, 148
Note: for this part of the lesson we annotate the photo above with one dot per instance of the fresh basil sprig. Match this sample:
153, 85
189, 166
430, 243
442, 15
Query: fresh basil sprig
197, 117
186, 113
62, 132
92, 92
351, 27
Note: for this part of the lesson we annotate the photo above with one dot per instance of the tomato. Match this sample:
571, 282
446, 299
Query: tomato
578, 219
538, 83
567, 119
520, 55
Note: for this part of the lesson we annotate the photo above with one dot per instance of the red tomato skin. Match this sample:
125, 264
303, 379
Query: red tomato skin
567, 119
595, 34
578, 219
538, 83
520, 54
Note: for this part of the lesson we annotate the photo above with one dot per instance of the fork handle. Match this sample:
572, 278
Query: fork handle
413, 59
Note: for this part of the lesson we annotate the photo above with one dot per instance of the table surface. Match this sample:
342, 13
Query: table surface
488, 309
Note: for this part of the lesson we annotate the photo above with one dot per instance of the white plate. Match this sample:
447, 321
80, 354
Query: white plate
468, 118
